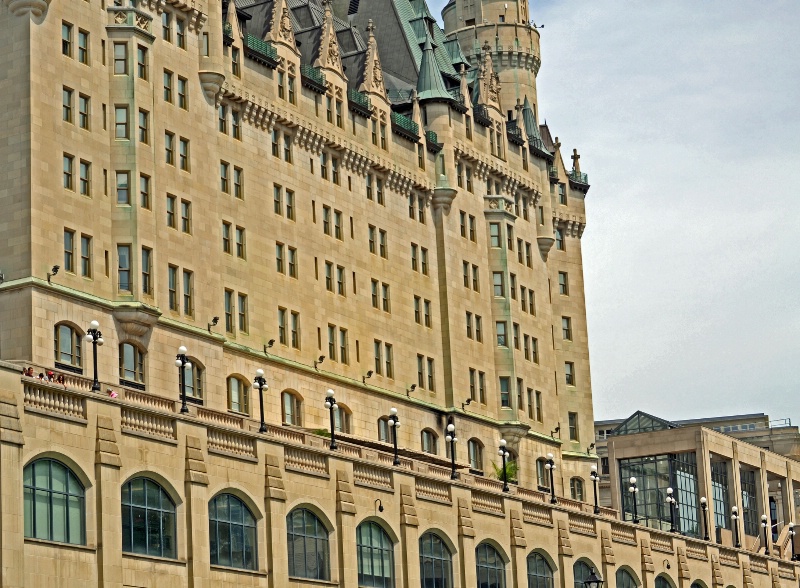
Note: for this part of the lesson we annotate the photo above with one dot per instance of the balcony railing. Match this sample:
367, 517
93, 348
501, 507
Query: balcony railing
482, 115
405, 127
227, 33
359, 103
260, 51
514, 133
313, 78
459, 103
579, 178
432, 142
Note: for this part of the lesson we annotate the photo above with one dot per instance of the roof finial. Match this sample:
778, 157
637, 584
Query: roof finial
576, 164
371, 28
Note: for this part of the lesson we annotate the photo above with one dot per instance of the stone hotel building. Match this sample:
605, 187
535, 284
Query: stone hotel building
347, 197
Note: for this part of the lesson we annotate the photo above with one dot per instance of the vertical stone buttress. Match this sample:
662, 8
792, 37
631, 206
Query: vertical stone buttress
346, 529
107, 464
409, 531
275, 509
12, 542
196, 486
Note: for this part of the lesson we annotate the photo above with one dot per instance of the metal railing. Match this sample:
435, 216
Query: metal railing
261, 47
578, 177
360, 99
404, 123
312, 73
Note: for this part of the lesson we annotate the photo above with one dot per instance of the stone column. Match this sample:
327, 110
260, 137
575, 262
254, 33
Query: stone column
12, 529
466, 543
704, 481
737, 488
565, 562
275, 508
519, 552
409, 535
107, 464
196, 508
763, 500
346, 529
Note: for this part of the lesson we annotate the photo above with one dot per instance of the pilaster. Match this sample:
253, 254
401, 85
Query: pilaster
409, 532
109, 513
12, 541
346, 528
275, 509
196, 484
519, 561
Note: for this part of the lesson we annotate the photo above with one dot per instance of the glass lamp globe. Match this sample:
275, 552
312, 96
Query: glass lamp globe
94, 325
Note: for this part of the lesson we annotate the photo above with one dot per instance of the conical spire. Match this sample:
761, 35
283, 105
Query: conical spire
430, 85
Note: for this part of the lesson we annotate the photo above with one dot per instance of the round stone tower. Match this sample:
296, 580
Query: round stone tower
513, 41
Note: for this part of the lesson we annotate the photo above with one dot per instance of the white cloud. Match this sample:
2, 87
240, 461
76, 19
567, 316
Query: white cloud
685, 115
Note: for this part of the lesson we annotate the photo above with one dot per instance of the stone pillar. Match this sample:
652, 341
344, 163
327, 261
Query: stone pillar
608, 560
519, 552
107, 464
12, 522
736, 499
565, 562
409, 535
704, 481
196, 508
648, 567
275, 508
466, 543
346, 529
763, 500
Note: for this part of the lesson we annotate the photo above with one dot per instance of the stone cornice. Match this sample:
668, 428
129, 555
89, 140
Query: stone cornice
484, 166
195, 10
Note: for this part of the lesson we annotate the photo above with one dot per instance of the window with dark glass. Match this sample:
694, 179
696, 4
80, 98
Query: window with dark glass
148, 519
54, 503
490, 567
435, 562
375, 556
232, 533
308, 548
540, 574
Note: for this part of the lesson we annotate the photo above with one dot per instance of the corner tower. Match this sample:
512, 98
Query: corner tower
514, 43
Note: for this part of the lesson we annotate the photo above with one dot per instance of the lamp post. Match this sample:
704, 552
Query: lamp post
704, 506
452, 439
330, 404
634, 490
503, 452
735, 519
595, 477
182, 362
593, 581
550, 465
394, 422
95, 337
673, 502
260, 384
764, 526
791, 536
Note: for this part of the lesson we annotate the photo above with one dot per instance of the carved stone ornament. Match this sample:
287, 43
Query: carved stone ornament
377, 75
120, 18
143, 22
333, 52
286, 24
27, 7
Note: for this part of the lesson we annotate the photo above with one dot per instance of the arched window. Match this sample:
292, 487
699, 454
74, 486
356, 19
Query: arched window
475, 449
576, 488
384, 433
435, 562
663, 582
292, 409
429, 441
540, 574
148, 519
55, 505
232, 532
625, 579
491, 568
581, 572
542, 475
342, 419
309, 555
375, 556
238, 395
67, 343
193, 378
131, 365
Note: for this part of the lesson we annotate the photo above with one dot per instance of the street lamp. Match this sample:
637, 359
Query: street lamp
503, 452
634, 490
764, 526
704, 506
95, 337
452, 440
260, 384
394, 422
550, 465
595, 477
182, 362
593, 581
673, 502
791, 535
330, 404
735, 519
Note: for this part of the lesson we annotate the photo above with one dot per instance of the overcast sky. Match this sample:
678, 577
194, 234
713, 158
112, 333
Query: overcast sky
686, 117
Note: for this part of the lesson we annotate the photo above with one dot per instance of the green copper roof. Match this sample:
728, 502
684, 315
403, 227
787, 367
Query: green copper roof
641, 422
430, 85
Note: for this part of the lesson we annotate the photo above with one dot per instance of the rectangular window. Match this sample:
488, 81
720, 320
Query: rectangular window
292, 94
389, 351
510, 237
144, 127
188, 293
323, 165
560, 239
222, 119
421, 371
469, 178
344, 355
414, 261
573, 426
292, 262
186, 216
566, 328
238, 182
332, 342
276, 145
287, 149
563, 283
498, 284
382, 244
69, 251
120, 122
66, 39
169, 148
236, 124
341, 287
228, 311
466, 274
431, 375
482, 387
227, 246
424, 261
512, 286
379, 190
502, 338
539, 407
183, 93
478, 329
168, 86
375, 295
505, 391
85, 178
562, 194
463, 223
120, 59
66, 104
472, 388
386, 304
242, 311
224, 179
475, 279
280, 250
369, 187
383, 136
180, 33
428, 319
531, 405
124, 268
144, 191
528, 256
166, 26
494, 234
329, 276
147, 270
123, 187
520, 403
534, 350
569, 371
183, 154
172, 285
172, 203
295, 330
290, 205
86, 256
378, 348
371, 235
235, 62
240, 243
515, 334
337, 225
83, 111
141, 63
418, 310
